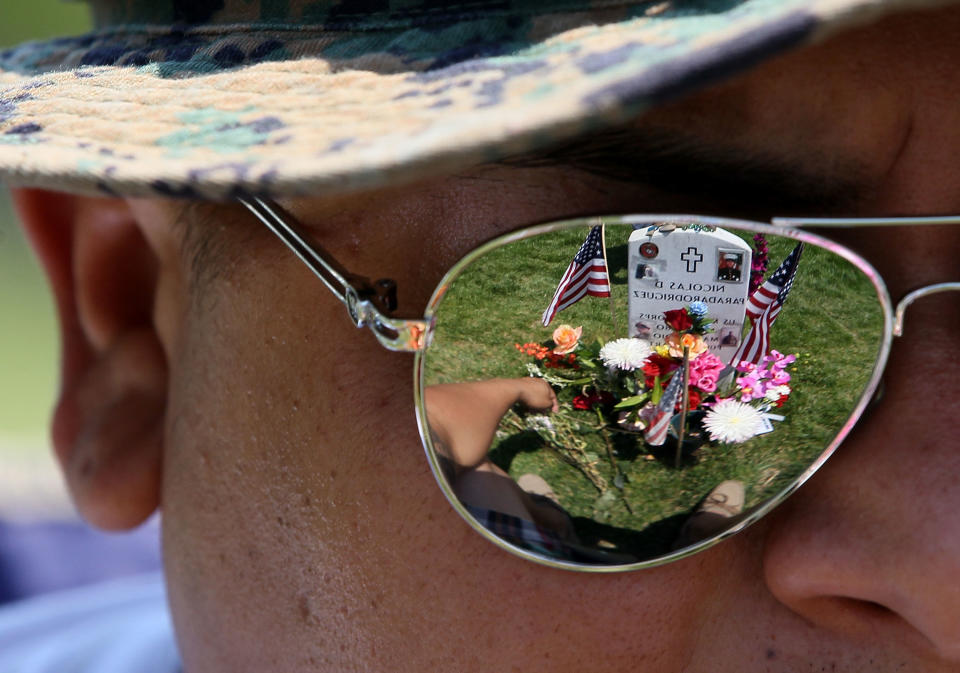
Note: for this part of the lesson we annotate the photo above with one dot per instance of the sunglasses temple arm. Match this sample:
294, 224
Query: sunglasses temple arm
395, 334
807, 223
293, 239
913, 296
811, 222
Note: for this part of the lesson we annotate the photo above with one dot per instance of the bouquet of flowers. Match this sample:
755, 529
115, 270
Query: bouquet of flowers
622, 382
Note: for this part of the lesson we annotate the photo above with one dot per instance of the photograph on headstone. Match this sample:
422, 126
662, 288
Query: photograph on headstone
730, 265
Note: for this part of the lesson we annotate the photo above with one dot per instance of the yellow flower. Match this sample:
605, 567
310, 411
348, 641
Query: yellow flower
662, 349
566, 338
677, 342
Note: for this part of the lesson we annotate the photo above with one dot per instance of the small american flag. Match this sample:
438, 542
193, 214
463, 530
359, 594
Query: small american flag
587, 274
764, 306
657, 429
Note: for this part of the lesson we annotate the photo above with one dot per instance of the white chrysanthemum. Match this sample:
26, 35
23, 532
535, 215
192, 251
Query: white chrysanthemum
732, 422
625, 354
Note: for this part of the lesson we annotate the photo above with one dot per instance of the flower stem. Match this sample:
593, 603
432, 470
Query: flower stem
618, 476
684, 407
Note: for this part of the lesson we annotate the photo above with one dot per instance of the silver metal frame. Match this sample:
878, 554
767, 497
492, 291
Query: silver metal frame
413, 335
395, 334
909, 298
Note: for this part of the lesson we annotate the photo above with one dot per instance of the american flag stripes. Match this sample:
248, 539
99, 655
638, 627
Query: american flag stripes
587, 274
764, 306
656, 431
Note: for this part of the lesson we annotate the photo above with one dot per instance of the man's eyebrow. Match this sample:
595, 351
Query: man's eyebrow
741, 179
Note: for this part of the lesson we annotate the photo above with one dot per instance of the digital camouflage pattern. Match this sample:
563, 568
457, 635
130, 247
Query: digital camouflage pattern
211, 98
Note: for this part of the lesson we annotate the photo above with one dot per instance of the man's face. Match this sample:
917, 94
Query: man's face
304, 531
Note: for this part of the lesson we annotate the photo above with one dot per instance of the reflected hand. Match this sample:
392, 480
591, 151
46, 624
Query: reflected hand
537, 395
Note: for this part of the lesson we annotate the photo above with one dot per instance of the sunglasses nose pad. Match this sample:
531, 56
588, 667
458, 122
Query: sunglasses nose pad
386, 289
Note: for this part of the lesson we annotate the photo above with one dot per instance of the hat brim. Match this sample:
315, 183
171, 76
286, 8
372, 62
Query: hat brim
273, 112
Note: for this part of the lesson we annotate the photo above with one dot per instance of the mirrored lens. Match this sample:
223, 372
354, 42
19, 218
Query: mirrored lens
689, 375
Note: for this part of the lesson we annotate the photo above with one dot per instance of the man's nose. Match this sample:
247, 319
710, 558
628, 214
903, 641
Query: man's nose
871, 545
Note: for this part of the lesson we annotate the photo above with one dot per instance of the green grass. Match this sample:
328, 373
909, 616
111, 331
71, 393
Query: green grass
28, 359
41, 19
831, 319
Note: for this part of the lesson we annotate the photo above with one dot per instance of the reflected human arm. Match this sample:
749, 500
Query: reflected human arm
463, 417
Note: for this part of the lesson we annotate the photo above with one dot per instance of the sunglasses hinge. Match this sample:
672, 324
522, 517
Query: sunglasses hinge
381, 293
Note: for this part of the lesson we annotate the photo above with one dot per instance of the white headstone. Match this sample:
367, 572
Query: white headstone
670, 268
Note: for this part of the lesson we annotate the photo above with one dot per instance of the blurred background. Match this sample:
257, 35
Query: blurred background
43, 546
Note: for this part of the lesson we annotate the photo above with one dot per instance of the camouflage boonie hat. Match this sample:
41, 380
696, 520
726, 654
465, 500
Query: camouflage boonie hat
212, 98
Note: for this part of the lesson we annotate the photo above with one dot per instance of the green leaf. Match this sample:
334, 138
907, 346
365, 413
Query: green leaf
628, 402
657, 390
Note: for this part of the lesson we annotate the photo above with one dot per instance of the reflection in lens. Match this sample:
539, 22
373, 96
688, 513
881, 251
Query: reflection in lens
718, 369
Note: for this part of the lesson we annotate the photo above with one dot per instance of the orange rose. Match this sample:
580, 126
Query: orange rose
693, 342
566, 338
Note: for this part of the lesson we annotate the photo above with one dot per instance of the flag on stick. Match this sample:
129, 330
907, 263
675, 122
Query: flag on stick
657, 429
764, 306
587, 274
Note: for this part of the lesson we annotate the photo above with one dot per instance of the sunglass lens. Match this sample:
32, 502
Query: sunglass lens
690, 376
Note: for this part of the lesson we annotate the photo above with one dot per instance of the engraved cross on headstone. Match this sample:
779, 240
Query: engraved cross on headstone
692, 257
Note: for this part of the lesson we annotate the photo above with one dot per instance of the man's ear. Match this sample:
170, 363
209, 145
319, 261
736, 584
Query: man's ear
109, 418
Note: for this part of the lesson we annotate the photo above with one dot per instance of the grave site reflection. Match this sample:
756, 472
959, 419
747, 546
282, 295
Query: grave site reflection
610, 394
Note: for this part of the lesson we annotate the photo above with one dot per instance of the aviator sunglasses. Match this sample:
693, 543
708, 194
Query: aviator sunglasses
607, 394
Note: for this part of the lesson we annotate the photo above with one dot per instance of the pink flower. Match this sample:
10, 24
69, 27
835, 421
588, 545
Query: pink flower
706, 362
780, 377
751, 387
705, 371
778, 360
707, 383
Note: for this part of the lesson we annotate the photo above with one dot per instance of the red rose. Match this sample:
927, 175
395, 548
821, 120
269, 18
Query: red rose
581, 402
678, 320
693, 400
657, 365
662, 363
593, 399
